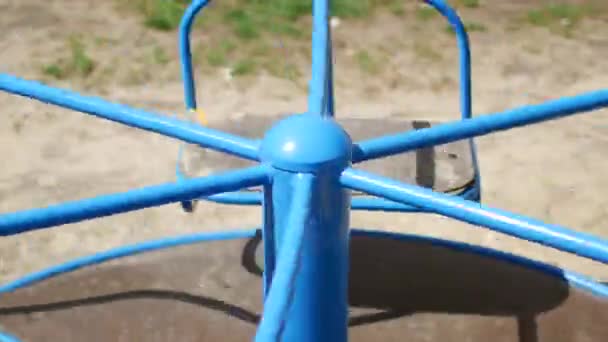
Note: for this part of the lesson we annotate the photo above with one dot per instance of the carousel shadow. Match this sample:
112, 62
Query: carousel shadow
412, 288
402, 284
165, 295
398, 278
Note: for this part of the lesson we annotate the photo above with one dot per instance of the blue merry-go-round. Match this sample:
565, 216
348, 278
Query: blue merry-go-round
306, 275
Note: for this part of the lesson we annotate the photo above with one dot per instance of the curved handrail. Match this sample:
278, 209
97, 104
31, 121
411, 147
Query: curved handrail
185, 28
321, 89
464, 53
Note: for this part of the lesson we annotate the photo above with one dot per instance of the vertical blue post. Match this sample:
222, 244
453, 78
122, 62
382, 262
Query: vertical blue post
319, 96
308, 143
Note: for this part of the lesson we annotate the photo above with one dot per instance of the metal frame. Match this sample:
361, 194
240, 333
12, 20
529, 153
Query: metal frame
306, 183
323, 97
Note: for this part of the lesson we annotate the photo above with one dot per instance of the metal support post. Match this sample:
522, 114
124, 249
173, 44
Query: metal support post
298, 147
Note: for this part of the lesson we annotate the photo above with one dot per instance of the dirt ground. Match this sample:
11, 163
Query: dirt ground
553, 171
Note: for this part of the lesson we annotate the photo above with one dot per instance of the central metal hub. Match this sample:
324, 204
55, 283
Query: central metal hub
307, 143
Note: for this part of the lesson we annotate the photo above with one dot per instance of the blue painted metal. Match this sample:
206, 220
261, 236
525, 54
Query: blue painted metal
165, 125
325, 98
121, 252
464, 52
188, 76
71, 212
278, 302
4, 337
466, 96
305, 176
478, 126
319, 96
185, 53
323, 268
325, 148
502, 221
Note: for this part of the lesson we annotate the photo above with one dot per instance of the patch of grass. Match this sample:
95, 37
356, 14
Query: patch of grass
425, 13
159, 55
469, 3
80, 61
469, 26
559, 17
78, 64
164, 15
54, 70
243, 23
351, 9
367, 62
244, 67
396, 7
218, 56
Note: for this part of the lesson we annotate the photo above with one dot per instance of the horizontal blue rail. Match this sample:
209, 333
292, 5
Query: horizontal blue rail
282, 287
71, 212
501, 221
179, 129
367, 203
121, 252
478, 126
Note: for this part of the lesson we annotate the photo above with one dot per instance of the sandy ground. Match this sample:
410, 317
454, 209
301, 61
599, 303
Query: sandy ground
553, 171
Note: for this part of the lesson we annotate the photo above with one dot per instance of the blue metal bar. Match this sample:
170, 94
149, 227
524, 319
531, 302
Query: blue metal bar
121, 252
318, 98
479, 125
319, 308
366, 203
4, 337
282, 288
185, 53
464, 53
268, 237
330, 77
164, 125
380, 204
71, 212
501, 221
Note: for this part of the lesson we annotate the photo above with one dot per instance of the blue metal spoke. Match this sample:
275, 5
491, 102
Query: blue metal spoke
281, 291
179, 129
502, 221
481, 125
106, 205
367, 203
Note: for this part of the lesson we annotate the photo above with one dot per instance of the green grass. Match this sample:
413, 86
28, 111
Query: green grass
367, 62
469, 3
560, 17
164, 15
470, 26
250, 24
79, 62
425, 13
244, 67
159, 56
